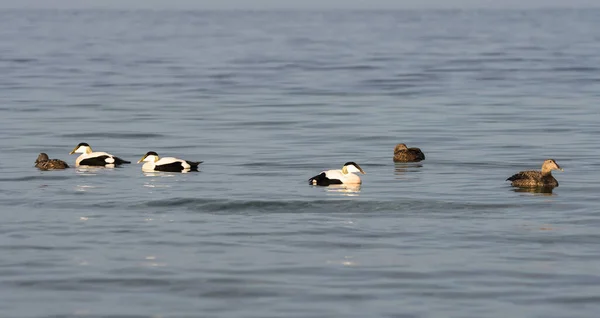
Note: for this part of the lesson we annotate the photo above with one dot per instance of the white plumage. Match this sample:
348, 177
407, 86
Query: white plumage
343, 176
91, 158
152, 162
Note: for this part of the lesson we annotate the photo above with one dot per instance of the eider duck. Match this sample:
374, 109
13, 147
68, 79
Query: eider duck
344, 176
404, 154
169, 164
90, 158
45, 163
534, 178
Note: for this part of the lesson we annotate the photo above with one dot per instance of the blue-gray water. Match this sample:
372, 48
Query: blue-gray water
267, 100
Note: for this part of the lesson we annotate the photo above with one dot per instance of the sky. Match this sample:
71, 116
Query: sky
296, 4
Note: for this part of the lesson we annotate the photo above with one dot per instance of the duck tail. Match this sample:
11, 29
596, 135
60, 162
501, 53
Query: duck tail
514, 177
119, 161
316, 180
322, 180
194, 165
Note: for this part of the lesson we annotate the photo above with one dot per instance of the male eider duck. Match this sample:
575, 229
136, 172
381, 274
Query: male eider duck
90, 158
344, 176
169, 164
535, 178
404, 154
45, 163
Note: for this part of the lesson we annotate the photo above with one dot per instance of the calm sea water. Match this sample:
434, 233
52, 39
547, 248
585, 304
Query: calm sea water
267, 100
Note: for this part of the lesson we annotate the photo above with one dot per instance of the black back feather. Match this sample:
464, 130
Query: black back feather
101, 161
119, 161
176, 166
94, 161
322, 180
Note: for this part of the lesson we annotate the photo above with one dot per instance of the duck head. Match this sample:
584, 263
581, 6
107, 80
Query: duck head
81, 148
42, 157
352, 167
400, 147
150, 156
550, 165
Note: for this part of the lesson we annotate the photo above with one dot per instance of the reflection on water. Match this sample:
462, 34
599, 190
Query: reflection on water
152, 173
159, 174
156, 177
346, 261
92, 170
152, 185
401, 168
350, 190
83, 187
546, 191
151, 261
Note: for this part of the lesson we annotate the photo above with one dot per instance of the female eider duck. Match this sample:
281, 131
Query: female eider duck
169, 164
404, 154
535, 178
344, 176
90, 158
45, 163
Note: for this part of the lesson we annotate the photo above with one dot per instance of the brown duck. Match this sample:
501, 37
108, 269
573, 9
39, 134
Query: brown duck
44, 163
404, 154
535, 178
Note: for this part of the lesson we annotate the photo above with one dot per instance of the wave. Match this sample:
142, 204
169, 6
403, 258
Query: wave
114, 135
39, 177
333, 205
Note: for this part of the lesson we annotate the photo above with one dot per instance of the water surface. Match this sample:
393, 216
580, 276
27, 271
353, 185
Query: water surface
267, 100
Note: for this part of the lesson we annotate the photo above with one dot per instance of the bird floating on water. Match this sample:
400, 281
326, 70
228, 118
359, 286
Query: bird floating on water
405, 154
154, 163
44, 163
344, 176
535, 178
91, 158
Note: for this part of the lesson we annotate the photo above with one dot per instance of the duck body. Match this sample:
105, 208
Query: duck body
99, 158
405, 154
45, 163
95, 158
167, 164
343, 176
532, 179
535, 178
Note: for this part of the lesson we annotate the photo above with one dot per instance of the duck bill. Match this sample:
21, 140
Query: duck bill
142, 160
73, 151
360, 169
